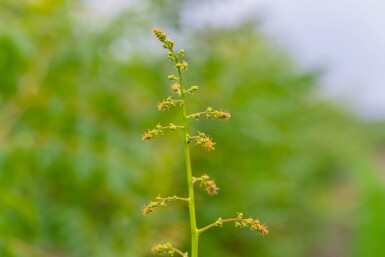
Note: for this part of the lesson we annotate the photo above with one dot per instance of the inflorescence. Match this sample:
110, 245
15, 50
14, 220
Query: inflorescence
240, 222
200, 138
152, 206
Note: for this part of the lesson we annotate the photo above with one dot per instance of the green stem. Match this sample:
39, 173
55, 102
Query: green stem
197, 113
193, 224
180, 252
170, 198
171, 127
218, 223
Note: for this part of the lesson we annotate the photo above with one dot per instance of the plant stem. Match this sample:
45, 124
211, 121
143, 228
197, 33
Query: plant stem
216, 224
193, 225
170, 198
180, 252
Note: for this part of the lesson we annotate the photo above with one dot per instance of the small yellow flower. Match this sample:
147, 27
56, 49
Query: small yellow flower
208, 144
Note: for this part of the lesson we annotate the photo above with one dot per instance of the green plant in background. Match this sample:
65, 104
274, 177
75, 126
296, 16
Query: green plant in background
73, 172
200, 138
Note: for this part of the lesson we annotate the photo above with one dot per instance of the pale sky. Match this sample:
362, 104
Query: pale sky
346, 38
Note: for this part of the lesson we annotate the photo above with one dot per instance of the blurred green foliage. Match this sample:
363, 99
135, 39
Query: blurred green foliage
76, 92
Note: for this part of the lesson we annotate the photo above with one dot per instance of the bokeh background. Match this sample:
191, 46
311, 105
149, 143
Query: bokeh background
80, 84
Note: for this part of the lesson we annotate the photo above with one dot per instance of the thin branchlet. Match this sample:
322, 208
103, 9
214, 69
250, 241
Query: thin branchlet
210, 113
159, 131
239, 222
167, 103
152, 206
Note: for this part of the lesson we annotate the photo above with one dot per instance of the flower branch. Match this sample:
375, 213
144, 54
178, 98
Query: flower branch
239, 222
167, 249
158, 131
167, 103
211, 114
161, 201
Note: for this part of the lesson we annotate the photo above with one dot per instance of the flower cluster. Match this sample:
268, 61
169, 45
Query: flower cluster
209, 185
204, 140
211, 114
158, 131
167, 249
181, 53
253, 224
160, 34
152, 206
215, 114
182, 66
173, 57
167, 103
167, 43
